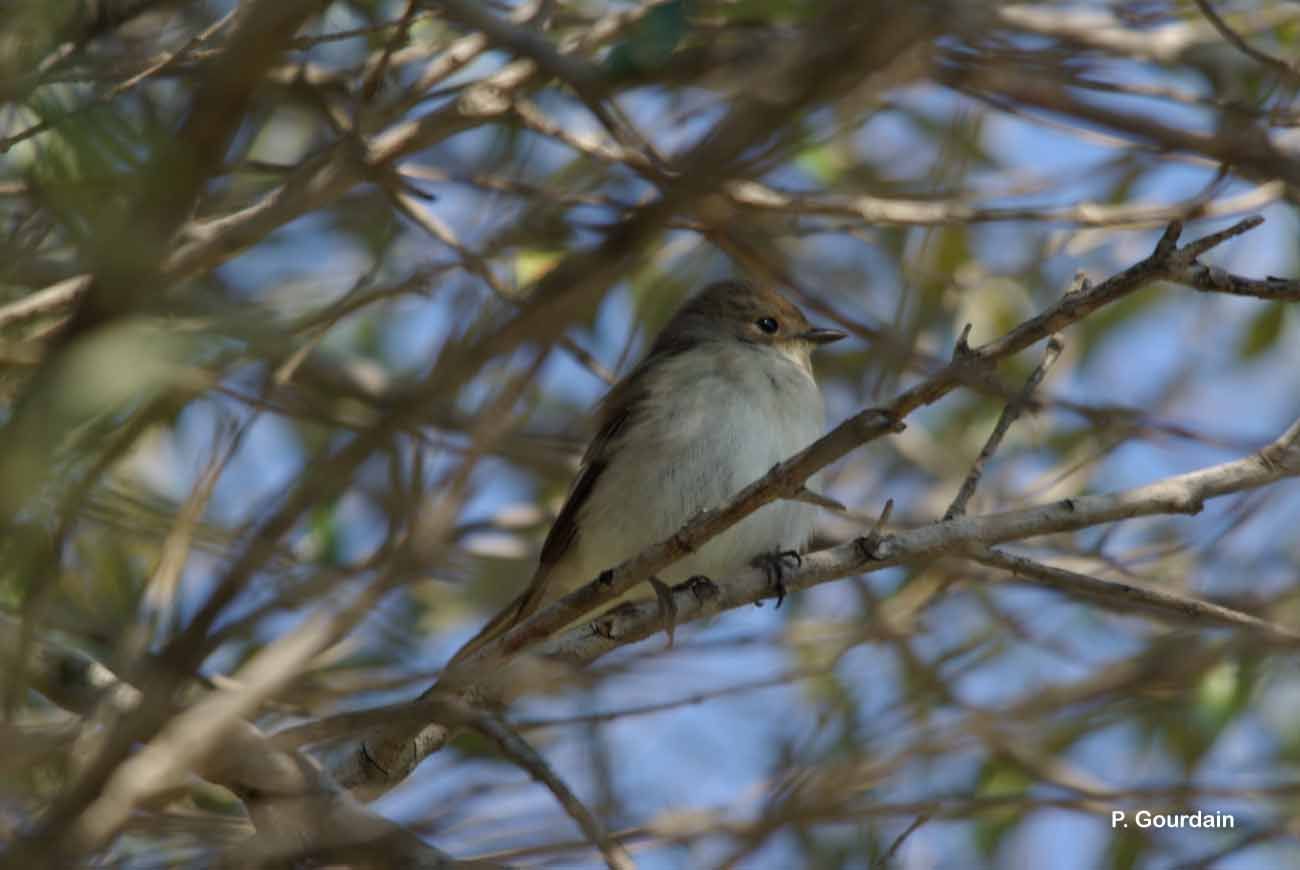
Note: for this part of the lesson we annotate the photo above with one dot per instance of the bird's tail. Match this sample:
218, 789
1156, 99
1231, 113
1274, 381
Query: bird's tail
511, 615
498, 625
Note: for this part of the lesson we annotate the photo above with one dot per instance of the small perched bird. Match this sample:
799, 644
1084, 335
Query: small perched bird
725, 393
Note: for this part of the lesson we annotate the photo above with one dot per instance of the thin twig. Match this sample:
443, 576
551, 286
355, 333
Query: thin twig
1212, 279
514, 747
1282, 68
166, 61
1127, 598
785, 480
50, 299
889, 854
1010, 413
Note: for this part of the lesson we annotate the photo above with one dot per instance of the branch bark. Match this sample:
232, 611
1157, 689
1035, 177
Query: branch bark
387, 752
295, 805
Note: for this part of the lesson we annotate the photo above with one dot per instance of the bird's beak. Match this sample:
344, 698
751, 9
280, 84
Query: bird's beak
822, 336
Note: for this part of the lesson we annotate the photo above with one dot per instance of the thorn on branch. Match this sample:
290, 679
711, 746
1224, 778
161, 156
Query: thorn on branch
961, 350
868, 545
808, 496
1010, 413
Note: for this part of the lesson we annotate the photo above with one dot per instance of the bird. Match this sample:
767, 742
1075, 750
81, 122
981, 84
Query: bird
725, 392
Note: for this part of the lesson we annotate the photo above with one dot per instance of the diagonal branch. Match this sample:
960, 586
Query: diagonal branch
388, 751
517, 750
1288, 72
786, 479
1127, 598
394, 729
299, 805
1181, 494
1010, 413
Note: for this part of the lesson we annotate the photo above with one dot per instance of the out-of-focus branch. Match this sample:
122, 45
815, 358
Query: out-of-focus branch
1288, 72
322, 180
1010, 413
1181, 494
47, 301
1246, 148
125, 255
296, 806
70, 679
784, 481
93, 807
632, 622
127, 266
874, 210
386, 753
517, 750
1100, 28
1127, 598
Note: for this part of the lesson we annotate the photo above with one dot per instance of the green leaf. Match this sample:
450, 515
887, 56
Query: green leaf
533, 264
651, 42
1263, 331
772, 11
1126, 847
822, 161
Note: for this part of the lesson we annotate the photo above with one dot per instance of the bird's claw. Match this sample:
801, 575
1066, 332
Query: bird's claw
774, 565
701, 587
603, 626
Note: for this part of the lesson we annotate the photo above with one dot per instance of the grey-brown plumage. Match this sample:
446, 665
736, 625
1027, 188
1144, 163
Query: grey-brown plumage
725, 392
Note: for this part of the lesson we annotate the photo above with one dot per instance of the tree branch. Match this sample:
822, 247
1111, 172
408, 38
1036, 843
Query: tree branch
786, 478
1010, 413
294, 803
388, 751
1181, 494
1284, 70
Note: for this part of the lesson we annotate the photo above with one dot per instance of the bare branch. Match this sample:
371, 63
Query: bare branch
1127, 598
517, 750
46, 301
296, 806
386, 753
1181, 494
1285, 70
1010, 413
785, 480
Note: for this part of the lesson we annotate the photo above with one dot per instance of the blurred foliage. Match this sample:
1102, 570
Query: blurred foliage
387, 199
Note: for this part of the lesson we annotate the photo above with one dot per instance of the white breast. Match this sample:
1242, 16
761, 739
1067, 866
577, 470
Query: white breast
714, 422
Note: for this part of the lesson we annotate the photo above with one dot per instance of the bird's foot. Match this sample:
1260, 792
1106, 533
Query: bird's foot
701, 587
776, 565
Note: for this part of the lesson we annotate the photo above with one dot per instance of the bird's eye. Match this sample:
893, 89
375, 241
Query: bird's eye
768, 325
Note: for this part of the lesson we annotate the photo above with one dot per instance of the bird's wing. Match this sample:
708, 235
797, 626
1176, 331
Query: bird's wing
613, 414
564, 531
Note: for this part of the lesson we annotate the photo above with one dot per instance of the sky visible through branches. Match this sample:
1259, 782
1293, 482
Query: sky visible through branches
339, 282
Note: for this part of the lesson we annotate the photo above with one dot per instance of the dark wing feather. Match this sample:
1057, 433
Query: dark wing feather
564, 531
614, 412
